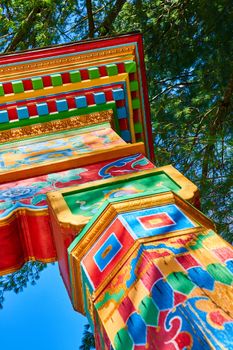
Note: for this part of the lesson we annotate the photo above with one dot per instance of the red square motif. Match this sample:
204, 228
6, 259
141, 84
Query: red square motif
156, 221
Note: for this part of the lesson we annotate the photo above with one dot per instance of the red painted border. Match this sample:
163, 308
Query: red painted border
67, 49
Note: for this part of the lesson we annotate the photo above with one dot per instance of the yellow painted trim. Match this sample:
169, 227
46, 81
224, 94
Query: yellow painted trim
72, 62
189, 191
66, 68
79, 124
85, 84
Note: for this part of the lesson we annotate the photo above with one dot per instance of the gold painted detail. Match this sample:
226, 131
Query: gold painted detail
92, 56
90, 305
56, 125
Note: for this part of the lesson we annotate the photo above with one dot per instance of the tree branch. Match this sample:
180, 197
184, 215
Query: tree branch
91, 24
215, 127
23, 29
228, 94
175, 86
108, 21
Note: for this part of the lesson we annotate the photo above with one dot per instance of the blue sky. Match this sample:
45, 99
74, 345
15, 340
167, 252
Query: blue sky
41, 317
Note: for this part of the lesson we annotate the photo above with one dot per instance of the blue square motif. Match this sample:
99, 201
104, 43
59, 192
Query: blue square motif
22, 112
81, 101
62, 105
42, 109
134, 224
107, 252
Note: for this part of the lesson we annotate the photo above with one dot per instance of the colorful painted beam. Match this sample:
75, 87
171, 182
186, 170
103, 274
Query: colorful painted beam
126, 120
150, 273
144, 265
54, 82
72, 209
61, 152
25, 231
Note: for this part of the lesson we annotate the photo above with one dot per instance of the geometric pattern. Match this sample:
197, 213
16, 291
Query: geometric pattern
171, 297
28, 199
120, 235
155, 221
52, 101
77, 79
150, 276
117, 229
106, 253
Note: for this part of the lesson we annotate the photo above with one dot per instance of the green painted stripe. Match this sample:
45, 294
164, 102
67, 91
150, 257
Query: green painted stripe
63, 115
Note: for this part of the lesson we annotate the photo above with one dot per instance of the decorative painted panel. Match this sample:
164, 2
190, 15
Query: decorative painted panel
23, 204
165, 296
143, 264
80, 204
120, 226
57, 83
50, 153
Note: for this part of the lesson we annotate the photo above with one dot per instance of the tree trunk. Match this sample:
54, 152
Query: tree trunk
107, 24
91, 24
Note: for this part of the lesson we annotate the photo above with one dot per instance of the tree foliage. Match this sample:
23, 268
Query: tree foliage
190, 74
88, 341
19, 280
188, 46
189, 50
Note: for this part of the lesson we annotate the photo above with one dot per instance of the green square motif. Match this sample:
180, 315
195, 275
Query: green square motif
136, 103
112, 69
56, 79
93, 73
1, 90
138, 128
130, 67
37, 83
75, 77
17, 86
133, 85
